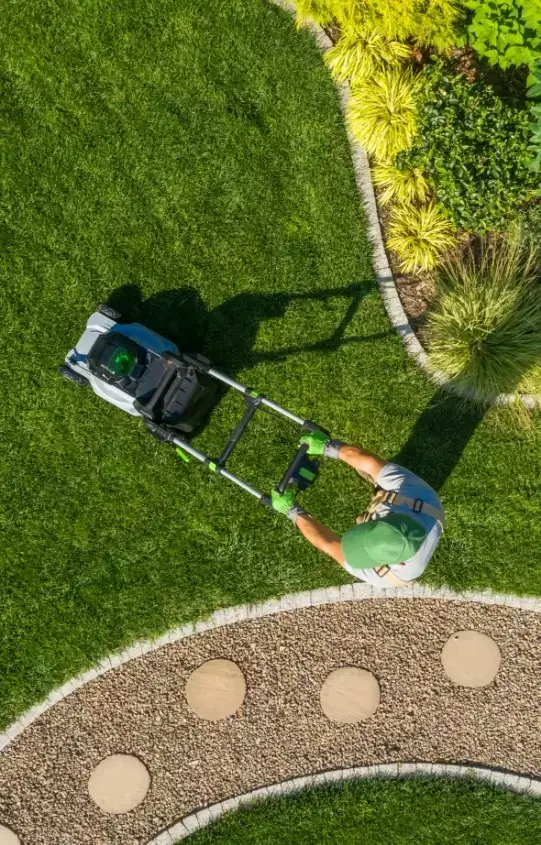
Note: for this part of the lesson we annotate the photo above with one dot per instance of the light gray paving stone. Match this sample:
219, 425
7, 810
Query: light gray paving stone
191, 822
346, 592
60, 692
164, 838
388, 770
535, 788
203, 625
219, 618
318, 596
332, 595
215, 810
204, 817
89, 675
289, 602
407, 769
333, 775
230, 804
116, 659
361, 591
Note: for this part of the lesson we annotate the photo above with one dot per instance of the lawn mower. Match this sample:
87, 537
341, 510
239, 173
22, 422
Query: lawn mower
147, 376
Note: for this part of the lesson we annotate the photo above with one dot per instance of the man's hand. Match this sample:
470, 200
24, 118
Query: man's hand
320, 443
316, 442
287, 504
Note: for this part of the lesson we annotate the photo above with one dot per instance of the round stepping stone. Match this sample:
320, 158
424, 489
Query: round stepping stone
216, 690
8, 836
119, 783
350, 695
471, 659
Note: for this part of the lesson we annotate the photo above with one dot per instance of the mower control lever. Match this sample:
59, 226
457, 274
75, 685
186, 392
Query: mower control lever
293, 468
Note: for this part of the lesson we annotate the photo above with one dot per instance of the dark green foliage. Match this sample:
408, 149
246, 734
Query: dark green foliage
506, 32
534, 93
530, 221
383, 812
473, 147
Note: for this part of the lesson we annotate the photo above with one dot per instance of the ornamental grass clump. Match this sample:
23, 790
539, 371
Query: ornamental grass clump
382, 113
360, 53
484, 329
419, 235
405, 186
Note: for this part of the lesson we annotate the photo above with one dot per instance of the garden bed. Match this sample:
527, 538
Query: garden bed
447, 106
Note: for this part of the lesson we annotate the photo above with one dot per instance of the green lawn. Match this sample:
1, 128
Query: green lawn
408, 812
188, 162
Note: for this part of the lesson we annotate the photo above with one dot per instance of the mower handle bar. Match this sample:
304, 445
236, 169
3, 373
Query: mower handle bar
200, 456
246, 391
298, 458
254, 400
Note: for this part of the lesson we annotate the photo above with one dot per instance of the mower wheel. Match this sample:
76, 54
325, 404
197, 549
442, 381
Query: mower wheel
107, 311
71, 375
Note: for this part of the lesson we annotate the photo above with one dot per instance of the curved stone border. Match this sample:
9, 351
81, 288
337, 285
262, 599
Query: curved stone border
311, 598
195, 821
384, 275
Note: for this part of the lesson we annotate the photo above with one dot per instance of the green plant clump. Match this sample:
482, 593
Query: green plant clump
534, 93
419, 235
406, 187
474, 149
484, 329
381, 113
506, 32
425, 23
358, 55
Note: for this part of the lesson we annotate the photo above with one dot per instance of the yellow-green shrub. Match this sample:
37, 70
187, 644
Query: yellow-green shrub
405, 186
320, 11
425, 23
359, 54
381, 113
419, 235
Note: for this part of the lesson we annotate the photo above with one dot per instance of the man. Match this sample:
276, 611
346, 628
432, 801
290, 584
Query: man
393, 542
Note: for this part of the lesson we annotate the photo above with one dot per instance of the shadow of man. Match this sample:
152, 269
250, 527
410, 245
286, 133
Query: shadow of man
439, 437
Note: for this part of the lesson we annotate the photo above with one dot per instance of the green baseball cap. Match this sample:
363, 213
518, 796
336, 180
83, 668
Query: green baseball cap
390, 539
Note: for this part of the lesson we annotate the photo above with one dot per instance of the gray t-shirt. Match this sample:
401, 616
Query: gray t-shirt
396, 478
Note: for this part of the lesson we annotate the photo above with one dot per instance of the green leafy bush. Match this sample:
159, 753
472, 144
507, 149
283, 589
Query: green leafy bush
484, 328
534, 93
529, 220
473, 148
506, 32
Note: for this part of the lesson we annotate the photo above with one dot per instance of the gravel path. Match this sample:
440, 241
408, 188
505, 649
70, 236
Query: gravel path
280, 731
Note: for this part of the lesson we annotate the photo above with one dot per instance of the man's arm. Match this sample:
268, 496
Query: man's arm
321, 537
366, 463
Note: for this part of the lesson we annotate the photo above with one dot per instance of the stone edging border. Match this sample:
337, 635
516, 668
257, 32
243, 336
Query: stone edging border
195, 821
293, 601
382, 269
